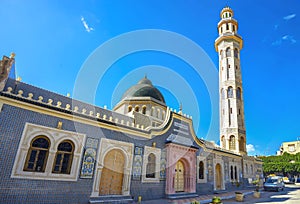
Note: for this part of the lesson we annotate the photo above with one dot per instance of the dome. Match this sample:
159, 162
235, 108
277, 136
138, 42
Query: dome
144, 88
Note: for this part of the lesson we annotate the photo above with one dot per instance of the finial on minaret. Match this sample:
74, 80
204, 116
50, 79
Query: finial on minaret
12, 55
19, 79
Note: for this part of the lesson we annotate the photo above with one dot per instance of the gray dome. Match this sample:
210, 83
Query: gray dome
144, 88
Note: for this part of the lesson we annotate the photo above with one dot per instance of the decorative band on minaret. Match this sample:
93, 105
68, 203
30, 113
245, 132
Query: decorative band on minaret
228, 46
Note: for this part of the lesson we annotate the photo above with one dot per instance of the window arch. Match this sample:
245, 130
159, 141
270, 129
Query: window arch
231, 172
228, 52
236, 53
223, 142
232, 142
144, 109
222, 93
150, 169
129, 109
63, 157
230, 92
201, 170
37, 154
242, 144
238, 93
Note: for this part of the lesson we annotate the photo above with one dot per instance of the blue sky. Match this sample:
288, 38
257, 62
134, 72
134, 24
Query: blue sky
54, 40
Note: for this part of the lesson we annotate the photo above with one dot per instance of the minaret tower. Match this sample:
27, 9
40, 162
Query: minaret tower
228, 45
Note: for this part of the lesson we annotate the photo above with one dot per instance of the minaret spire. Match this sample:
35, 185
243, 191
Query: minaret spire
228, 45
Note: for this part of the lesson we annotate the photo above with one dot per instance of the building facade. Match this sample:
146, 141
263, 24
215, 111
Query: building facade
289, 147
59, 150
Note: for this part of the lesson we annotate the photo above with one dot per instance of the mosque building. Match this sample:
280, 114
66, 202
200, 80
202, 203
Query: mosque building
56, 149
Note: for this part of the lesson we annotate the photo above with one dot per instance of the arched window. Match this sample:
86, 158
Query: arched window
246, 168
222, 93
230, 92
232, 142
223, 142
129, 109
144, 110
238, 93
37, 154
64, 157
136, 108
201, 170
231, 172
236, 53
150, 169
251, 169
228, 52
221, 53
227, 26
233, 28
242, 144
235, 173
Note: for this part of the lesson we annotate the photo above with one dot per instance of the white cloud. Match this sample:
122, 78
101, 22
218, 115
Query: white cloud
289, 38
250, 148
86, 26
289, 17
285, 38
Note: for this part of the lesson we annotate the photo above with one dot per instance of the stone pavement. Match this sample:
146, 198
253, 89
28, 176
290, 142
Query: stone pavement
202, 198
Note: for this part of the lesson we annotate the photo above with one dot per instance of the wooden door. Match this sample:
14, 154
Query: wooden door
218, 177
112, 174
179, 177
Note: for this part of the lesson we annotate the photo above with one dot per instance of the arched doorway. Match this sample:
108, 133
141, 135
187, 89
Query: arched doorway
179, 177
111, 182
219, 177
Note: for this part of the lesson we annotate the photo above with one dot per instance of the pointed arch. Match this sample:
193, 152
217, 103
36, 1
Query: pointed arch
242, 144
236, 53
238, 93
228, 52
232, 142
222, 93
223, 141
230, 92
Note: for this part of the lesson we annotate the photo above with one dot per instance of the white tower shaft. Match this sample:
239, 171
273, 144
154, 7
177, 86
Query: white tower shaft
228, 45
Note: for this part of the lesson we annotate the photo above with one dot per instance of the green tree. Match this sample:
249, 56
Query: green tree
283, 164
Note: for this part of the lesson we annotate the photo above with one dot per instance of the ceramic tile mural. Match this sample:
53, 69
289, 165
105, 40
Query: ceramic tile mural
137, 163
89, 158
